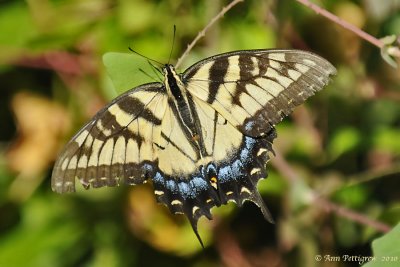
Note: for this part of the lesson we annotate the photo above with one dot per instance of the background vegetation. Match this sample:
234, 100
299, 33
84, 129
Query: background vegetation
333, 188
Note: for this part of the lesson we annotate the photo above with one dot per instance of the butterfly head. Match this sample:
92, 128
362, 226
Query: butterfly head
168, 69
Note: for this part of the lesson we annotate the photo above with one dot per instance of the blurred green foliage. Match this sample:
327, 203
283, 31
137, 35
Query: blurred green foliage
343, 144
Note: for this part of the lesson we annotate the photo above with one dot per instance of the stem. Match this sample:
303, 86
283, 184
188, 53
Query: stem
350, 214
367, 37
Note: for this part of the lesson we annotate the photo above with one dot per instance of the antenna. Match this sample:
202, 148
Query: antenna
155, 70
149, 59
151, 77
173, 43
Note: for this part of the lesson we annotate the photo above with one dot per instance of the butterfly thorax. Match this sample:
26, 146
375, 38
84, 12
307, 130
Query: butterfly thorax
182, 102
174, 84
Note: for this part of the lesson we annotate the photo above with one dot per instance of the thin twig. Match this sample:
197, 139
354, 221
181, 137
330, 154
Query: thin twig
394, 51
351, 214
203, 32
292, 176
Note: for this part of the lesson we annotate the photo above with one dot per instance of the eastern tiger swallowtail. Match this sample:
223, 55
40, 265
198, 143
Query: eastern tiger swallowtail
203, 137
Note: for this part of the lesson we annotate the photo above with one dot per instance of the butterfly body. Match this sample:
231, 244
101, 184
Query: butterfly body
183, 104
203, 137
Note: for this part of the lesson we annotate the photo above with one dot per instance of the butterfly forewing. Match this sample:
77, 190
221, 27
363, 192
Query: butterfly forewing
117, 145
256, 89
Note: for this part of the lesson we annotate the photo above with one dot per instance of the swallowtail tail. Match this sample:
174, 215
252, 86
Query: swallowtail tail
202, 137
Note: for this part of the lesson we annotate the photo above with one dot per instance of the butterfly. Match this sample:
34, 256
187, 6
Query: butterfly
202, 137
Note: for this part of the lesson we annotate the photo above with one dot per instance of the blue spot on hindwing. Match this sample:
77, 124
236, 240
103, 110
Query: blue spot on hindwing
184, 190
147, 167
237, 167
198, 184
171, 186
249, 145
226, 174
249, 125
158, 178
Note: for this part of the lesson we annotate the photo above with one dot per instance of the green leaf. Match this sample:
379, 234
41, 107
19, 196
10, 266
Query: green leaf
343, 141
353, 196
387, 139
386, 250
124, 70
386, 55
386, 50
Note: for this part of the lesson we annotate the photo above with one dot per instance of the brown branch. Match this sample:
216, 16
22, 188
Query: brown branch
350, 214
203, 32
290, 174
393, 51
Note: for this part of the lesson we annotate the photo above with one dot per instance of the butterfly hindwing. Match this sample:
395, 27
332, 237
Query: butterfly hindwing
236, 162
117, 145
256, 89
